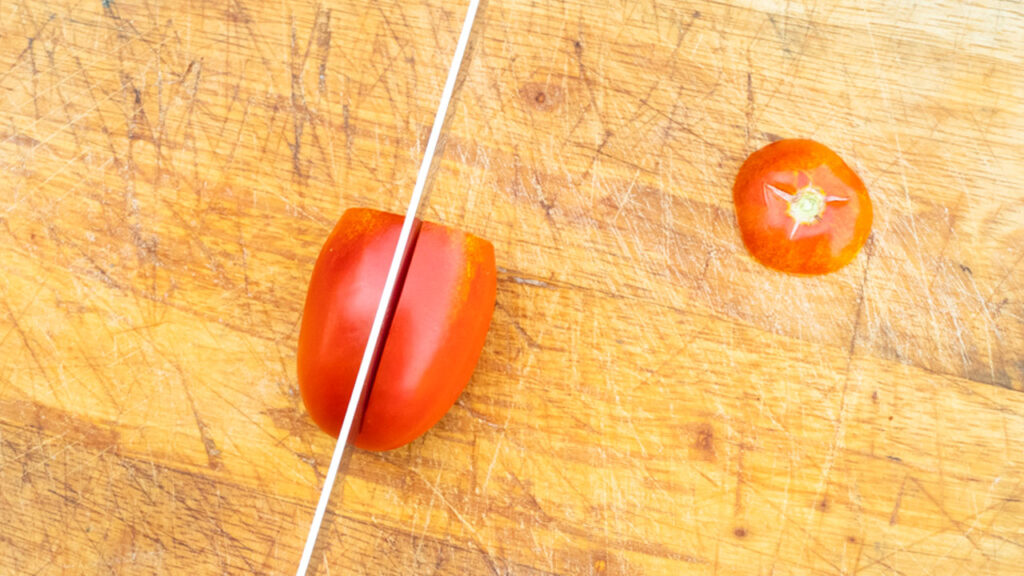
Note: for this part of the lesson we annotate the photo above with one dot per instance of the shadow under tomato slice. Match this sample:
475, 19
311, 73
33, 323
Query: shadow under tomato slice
800, 208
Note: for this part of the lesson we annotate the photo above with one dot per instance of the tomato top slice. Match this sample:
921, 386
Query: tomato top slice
800, 208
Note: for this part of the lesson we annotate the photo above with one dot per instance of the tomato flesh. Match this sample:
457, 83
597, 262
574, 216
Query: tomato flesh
800, 208
436, 334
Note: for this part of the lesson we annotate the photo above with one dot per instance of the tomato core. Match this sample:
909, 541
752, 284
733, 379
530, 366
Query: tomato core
808, 206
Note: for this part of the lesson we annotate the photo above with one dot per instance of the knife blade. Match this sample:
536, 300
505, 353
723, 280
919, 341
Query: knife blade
424, 179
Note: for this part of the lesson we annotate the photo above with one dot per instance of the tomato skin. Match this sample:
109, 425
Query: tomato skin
783, 237
435, 338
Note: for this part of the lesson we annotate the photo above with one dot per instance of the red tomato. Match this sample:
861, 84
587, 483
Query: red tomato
800, 208
436, 335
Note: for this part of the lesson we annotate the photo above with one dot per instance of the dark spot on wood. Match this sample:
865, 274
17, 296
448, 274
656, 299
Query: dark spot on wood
895, 458
541, 95
823, 505
851, 539
323, 42
21, 140
212, 452
696, 14
874, 396
235, 13
704, 442
740, 532
704, 439
578, 46
70, 428
292, 420
967, 269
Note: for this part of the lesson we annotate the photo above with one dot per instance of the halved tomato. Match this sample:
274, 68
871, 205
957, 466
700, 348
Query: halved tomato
436, 335
800, 208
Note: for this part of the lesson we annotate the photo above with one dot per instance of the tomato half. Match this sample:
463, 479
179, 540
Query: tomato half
800, 208
436, 335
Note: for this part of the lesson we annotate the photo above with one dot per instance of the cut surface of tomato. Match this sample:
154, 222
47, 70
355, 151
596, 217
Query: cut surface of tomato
435, 338
800, 208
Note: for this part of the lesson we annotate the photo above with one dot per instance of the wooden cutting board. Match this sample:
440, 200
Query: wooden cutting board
650, 399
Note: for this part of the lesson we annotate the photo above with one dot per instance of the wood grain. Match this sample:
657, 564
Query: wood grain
650, 399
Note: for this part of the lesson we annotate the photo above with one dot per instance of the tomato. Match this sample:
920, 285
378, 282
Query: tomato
800, 208
436, 335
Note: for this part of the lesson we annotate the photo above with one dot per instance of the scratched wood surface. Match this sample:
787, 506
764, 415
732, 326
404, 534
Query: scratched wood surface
650, 400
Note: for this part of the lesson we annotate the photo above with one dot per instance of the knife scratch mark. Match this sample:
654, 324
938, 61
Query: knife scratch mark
298, 101
954, 522
321, 35
474, 535
530, 341
497, 452
919, 273
999, 285
322, 26
749, 110
212, 452
839, 433
520, 280
16, 326
97, 63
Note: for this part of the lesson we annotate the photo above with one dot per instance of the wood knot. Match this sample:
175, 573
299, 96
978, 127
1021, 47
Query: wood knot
703, 445
541, 95
740, 532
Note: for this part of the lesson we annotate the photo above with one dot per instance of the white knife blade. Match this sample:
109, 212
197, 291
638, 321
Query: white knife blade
424, 178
